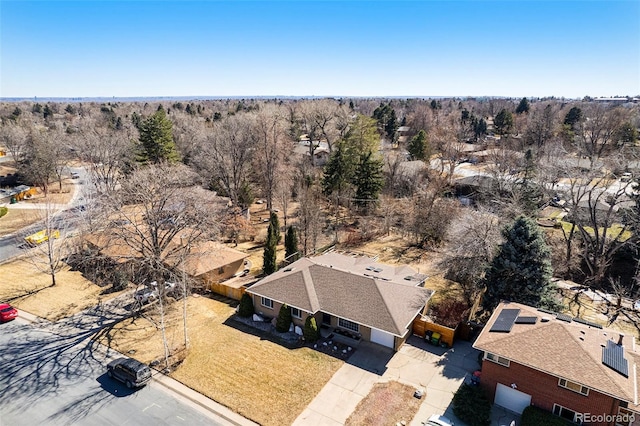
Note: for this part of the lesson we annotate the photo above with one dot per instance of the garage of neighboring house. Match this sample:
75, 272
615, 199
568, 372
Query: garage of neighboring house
511, 399
382, 338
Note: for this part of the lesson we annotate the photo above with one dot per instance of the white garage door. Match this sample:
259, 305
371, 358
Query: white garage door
512, 399
382, 338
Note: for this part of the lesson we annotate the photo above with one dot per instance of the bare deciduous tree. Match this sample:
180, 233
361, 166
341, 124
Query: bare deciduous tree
154, 219
226, 153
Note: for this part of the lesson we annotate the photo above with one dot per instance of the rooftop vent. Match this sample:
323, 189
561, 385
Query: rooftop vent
544, 319
288, 269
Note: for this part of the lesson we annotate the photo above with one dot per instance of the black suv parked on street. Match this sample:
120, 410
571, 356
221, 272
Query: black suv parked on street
129, 371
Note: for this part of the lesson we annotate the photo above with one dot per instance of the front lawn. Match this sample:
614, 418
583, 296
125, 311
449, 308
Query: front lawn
27, 288
257, 378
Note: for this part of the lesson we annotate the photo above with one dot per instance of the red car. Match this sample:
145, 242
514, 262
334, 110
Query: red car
7, 312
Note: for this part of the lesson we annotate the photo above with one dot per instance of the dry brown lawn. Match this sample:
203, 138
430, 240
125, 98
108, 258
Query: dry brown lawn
626, 321
16, 219
29, 289
55, 196
394, 249
386, 404
261, 380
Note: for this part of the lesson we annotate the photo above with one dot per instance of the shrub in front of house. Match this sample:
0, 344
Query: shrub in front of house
472, 406
534, 416
284, 319
246, 309
311, 331
3, 211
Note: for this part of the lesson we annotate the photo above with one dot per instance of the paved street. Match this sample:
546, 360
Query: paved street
55, 374
67, 217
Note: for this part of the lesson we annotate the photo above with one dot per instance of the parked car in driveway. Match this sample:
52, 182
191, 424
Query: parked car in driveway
151, 293
7, 312
145, 295
129, 371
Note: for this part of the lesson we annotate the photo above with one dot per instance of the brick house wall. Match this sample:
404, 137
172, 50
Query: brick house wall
544, 389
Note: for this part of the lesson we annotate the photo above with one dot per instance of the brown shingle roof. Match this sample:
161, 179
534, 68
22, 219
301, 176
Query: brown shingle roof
571, 351
207, 256
311, 286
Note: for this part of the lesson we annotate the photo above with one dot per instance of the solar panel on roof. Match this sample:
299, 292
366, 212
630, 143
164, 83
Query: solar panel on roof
526, 320
505, 320
589, 323
613, 357
564, 317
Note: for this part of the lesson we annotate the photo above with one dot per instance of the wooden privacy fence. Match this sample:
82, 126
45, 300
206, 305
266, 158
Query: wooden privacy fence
227, 291
421, 325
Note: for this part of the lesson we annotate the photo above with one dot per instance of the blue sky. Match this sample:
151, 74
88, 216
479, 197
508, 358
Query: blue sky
336, 48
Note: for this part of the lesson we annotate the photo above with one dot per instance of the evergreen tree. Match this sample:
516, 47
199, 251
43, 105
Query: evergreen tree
274, 224
47, 112
503, 122
291, 252
336, 174
521, 270
627, 134
479, 128
391, 125
37, 108
284, 319
368, 181
156, 139
523, 106
270, 248
311, 332
246, 308
418, 147
16, 112
573, 117
531, 193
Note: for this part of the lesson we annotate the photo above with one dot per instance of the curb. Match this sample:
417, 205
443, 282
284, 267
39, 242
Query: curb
203, 401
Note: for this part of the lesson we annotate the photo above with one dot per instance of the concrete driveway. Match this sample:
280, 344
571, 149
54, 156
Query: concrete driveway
438, 371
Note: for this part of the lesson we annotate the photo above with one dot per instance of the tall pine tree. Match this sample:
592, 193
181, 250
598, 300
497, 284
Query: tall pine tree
418, 146
156, 139
291, 251
368, 181
270, 247
521, 270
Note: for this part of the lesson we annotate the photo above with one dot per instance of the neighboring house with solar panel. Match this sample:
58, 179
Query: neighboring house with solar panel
350, 295
561, 364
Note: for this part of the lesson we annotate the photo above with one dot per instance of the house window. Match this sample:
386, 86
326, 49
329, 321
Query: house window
267, 303
625, 417
573, 386
296, 313
348, 325
567, 414
497, 359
